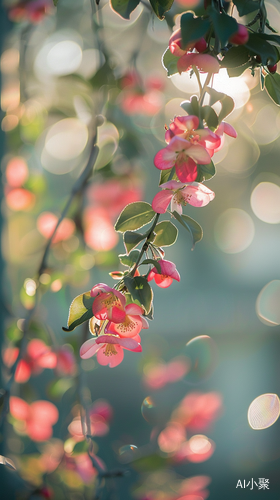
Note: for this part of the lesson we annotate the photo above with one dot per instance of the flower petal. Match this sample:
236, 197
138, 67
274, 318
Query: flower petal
161, 201
89, 348
199, 154
172, 185
186, 170
134, 309
163, 281
164, 159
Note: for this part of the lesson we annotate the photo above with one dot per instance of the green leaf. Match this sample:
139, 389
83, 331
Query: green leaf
130, 259
55, 2
80, 311
272, 86
210, 116
57, 388
160, 7
80, 447
169, 62
8, 462
257, 45
226, 101
166, 234
153, 262
271, 38
191, 225
124, 7
225, 26
236, 56
167, 175
150, 463
140, 291
205, 172
193, 28
131, 240
191, 107
150, 314
134, 216
235, 72
245, 7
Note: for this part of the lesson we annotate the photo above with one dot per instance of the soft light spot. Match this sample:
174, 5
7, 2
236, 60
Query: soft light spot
64, 58
234, 231
127, 453
87, 261
56, 285
9, 122
30, 287
66, 139
9, 61
265, 127
20, 199
202, 354
45, 279
267, 304
263, 411
10, 96
16, 172
265, 202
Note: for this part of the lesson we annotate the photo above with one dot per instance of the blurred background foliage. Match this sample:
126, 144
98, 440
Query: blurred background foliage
64, 75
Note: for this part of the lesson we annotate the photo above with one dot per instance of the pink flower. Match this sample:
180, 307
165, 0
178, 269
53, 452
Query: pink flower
168, 274
186, 127
109, 349
223, 128
204, 62
108, 303
184, 155
38, 418
66, 364
178, 194
132, 324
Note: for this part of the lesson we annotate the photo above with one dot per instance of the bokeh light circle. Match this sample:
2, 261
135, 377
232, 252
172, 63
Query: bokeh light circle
263, 411
267, 304
66, 139
203, 356
234, 231
265, 202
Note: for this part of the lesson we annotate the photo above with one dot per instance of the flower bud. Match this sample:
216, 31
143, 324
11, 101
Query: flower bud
241, 36
272, 69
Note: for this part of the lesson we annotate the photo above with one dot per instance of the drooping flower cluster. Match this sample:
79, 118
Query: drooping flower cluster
192, 55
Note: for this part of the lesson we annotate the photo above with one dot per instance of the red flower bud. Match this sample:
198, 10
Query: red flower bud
201, 45
272, 69
241, 36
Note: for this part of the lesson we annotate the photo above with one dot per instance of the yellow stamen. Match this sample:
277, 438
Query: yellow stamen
110, 350
126, 326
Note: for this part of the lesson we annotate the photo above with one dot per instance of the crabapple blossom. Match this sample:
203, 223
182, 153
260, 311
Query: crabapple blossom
175, 44
108, 303
38, 418
168, 274
132, 324
184, 155
109, 348
186, 127
177, 194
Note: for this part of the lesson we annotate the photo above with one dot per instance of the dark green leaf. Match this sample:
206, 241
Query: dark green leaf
191, 225
272, 86
153, 262
150, 314
256, 45
191, 107
225, 26
193, 28
131, 240
160, 7
226, 101
140, 291
167, 175
210, 116
205, 172
169, 62
234, 72
130, 259
55, 2
236, 56
134, 216
80, 311
245, 7
271, 38
166, 234
124, 7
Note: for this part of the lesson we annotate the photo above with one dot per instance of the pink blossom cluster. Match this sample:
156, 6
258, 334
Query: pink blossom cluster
192, 55
143, 98
117, 322
188, 145
39, 356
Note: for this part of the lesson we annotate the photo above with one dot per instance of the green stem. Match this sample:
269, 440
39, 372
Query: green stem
203, 90
145, 246
196, 72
